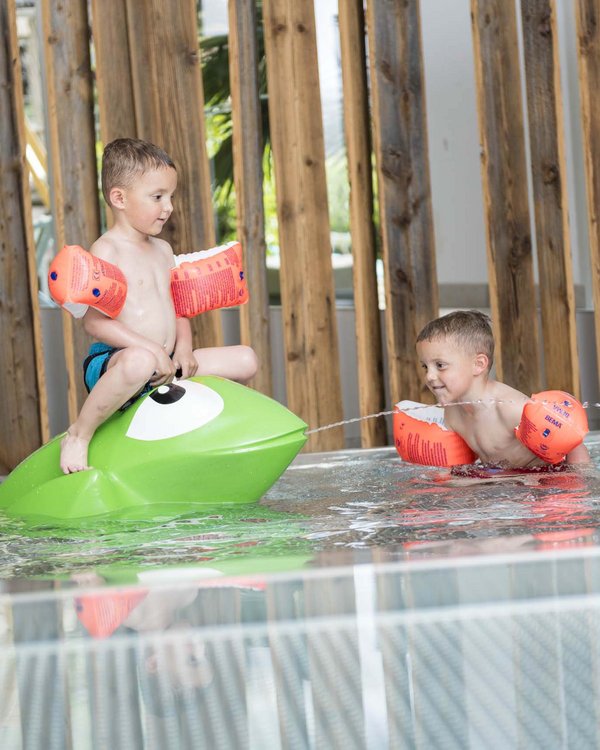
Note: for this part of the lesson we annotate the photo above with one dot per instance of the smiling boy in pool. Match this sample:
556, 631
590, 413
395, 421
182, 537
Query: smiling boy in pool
456, 352
146, 345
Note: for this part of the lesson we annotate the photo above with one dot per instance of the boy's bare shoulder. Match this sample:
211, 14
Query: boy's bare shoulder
105, 247
510, 403
163, 247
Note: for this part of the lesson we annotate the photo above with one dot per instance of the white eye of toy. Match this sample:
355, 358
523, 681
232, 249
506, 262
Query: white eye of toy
173, 410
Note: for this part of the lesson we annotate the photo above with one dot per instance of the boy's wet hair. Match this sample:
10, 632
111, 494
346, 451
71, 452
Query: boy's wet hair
124, 159
471, 329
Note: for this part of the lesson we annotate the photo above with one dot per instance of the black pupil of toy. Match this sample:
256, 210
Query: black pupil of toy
168, 394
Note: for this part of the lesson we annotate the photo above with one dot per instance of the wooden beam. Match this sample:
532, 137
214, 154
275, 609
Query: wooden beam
358, 145
548, 167
169, 105
23, 406
504, 175
400, 136
308, 297
116, 101
72, 157
588, 53
248, 175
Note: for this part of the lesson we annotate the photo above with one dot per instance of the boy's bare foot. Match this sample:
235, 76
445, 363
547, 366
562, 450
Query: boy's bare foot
73, 453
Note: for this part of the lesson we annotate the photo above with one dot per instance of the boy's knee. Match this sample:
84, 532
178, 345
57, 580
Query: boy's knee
248, 362
137, 364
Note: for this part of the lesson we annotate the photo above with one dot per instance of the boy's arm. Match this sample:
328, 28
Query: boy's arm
183, 356
579, 455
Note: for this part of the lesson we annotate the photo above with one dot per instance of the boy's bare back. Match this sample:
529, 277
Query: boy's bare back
489, 427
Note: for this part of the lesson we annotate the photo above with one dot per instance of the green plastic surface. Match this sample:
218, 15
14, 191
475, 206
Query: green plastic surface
233, 458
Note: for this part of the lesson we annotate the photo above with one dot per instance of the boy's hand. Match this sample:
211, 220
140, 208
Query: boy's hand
185, 363
165, 368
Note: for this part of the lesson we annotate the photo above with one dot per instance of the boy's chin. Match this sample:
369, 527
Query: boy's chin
439, 397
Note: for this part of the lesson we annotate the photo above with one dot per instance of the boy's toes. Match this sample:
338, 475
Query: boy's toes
73, 454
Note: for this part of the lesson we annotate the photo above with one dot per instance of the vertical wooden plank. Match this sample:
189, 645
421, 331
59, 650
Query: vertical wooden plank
358, 145
400, 136
310, 332
73, 156
23, 406
504, 175
116, 102
248, 177
169, 104
588, 52
548, 166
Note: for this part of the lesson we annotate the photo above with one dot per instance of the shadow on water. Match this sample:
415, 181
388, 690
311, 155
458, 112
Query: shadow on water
337, 506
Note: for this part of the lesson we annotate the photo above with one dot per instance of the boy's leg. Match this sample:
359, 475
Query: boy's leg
232, 362
127, 373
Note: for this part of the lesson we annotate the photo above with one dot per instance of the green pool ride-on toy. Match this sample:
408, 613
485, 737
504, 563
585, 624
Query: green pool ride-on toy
196, 442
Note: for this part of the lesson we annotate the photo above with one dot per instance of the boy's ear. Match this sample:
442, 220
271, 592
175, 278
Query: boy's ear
116, 197
481, 363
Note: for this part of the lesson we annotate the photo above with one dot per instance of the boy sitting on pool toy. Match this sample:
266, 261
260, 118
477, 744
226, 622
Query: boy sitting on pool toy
456, 353
145, 345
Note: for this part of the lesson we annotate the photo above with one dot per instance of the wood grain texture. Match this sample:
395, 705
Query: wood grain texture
504, 176
114, 83
404, 191
169, 107
548, 167
23, 407
72, 155
248, 177
308, 298
371, 391
588, 53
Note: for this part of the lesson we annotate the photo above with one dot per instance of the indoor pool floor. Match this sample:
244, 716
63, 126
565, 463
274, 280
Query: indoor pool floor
363, 603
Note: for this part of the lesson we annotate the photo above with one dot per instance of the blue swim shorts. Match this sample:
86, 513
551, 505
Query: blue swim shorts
95, 365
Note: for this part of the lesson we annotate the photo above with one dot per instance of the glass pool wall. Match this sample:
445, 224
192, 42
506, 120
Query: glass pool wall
480, 652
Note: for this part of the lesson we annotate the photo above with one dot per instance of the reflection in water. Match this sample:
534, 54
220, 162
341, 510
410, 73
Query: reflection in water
499, 654
325, 504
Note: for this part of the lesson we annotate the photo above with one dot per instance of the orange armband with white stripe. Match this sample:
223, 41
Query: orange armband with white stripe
202, 281
552, 424
208, 280
421, 437
78, 280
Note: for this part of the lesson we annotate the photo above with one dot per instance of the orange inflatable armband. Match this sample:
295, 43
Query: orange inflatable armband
78, 280
552, 424
421, 437
208, 280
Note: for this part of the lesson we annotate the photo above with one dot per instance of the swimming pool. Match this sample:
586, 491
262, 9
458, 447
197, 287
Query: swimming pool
363, 603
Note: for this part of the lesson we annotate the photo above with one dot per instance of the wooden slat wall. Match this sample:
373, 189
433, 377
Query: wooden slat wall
150, 86
358, 144
504, 174
248, 176
161, 84
72, 154
401, 150
308, 299
23, 407
548, 166
588, 51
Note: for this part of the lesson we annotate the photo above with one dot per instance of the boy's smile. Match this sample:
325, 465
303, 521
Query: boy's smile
147, 203
449, 371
